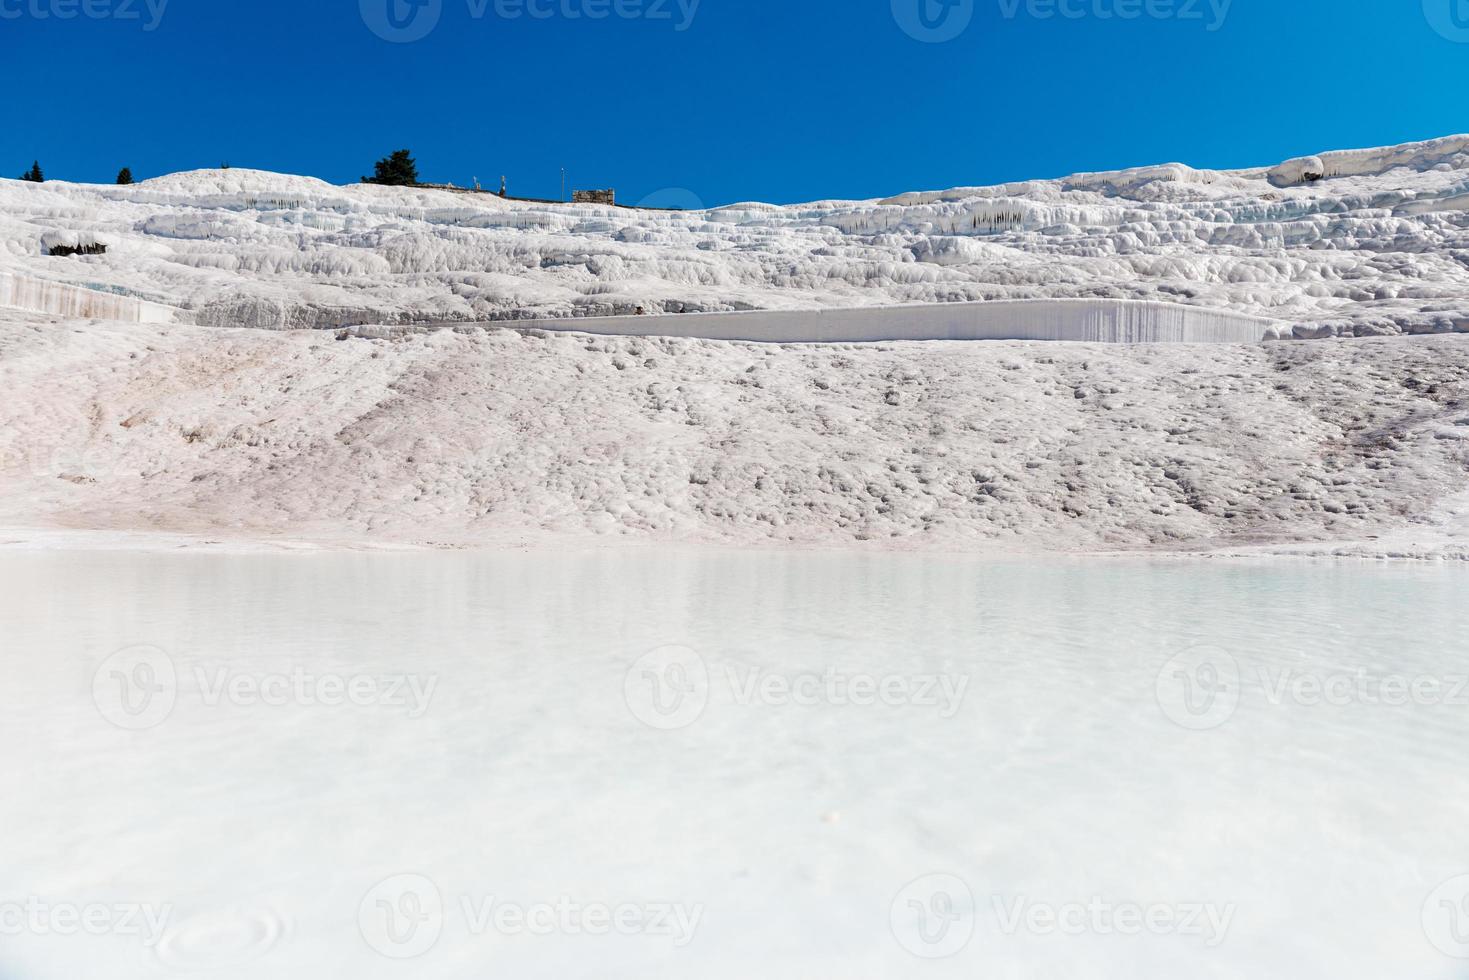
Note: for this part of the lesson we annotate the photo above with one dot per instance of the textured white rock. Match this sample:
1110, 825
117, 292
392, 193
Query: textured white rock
1086, 321
1377, 246
470, 436
40, 296
501, 436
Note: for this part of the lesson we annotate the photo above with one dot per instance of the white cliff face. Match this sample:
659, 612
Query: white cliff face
1353, 242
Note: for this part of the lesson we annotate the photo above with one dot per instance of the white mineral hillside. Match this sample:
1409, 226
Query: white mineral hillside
1357, 242
139, 402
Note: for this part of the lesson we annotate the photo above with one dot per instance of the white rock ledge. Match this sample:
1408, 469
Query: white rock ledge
1088, 321
60, 299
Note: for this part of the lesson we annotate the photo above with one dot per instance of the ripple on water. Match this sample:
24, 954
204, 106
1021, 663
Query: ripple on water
223, 937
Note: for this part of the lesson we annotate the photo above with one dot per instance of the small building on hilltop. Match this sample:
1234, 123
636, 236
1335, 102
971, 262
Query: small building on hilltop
608, 196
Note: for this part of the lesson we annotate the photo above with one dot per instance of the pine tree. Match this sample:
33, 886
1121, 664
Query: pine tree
125, 176
398, 170
34, 174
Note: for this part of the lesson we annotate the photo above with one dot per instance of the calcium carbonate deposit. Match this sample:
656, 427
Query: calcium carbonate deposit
427, 421
1357, 242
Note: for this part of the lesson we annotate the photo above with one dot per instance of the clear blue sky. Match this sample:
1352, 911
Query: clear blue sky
777, 100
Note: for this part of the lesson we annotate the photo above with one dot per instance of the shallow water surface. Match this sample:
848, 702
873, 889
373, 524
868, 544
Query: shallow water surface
724, 765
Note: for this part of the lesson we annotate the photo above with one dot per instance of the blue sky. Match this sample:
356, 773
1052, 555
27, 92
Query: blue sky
777, 100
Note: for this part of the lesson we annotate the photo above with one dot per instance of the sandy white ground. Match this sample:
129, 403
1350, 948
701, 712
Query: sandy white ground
504, 436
